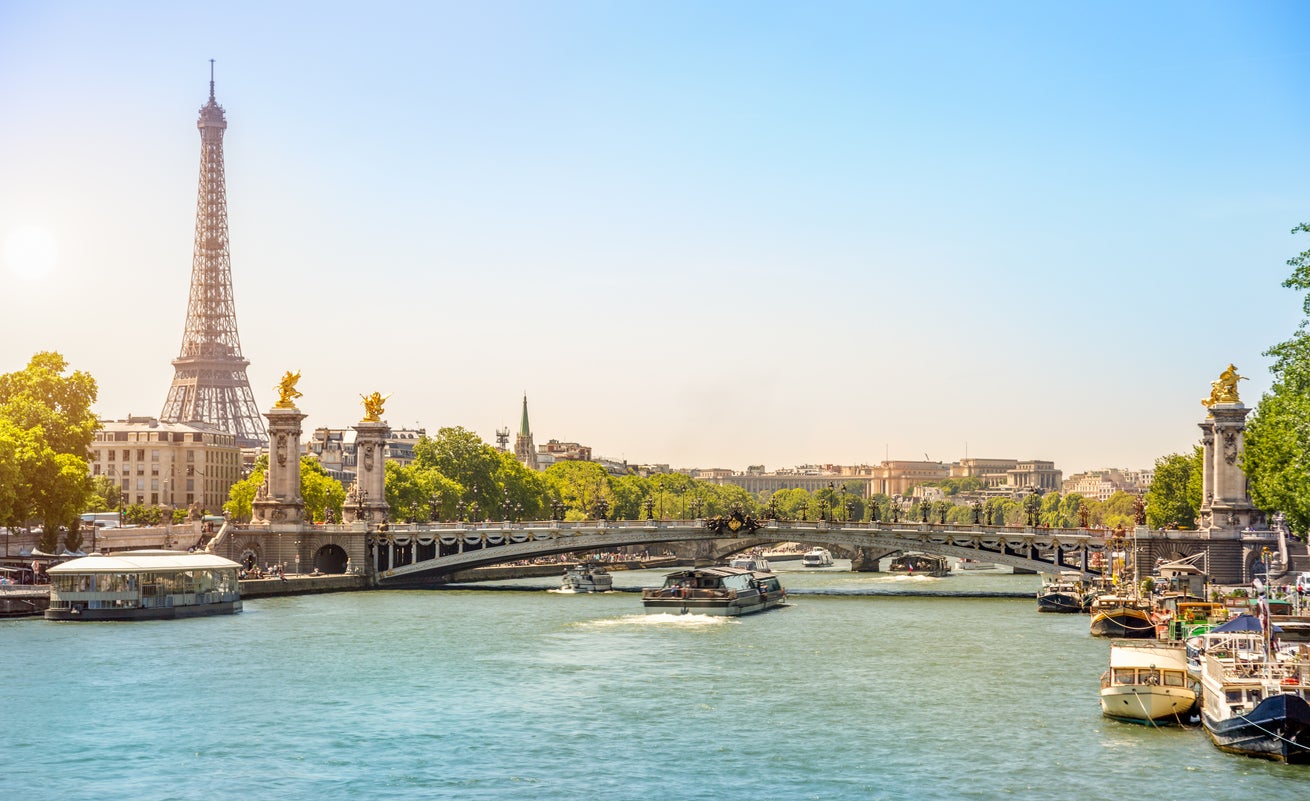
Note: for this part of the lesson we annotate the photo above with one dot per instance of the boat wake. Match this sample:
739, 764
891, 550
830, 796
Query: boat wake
682, 621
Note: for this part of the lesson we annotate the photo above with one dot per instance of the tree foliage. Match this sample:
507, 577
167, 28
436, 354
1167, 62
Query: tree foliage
1175, 494
46, 428
1276, 457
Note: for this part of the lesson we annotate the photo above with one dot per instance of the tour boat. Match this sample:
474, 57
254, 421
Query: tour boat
1115, 615
144, 585
920, 564
757, 564
1148, 683
972, 564
1063, 593
817, 557
730, 591
586, 578
1254, 703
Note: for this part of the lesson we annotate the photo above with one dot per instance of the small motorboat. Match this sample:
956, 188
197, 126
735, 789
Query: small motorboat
757, 564
920, 564
1064, 593
817, 557
586, 578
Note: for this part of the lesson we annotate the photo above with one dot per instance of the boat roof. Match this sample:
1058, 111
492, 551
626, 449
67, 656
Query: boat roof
1146, 654
1242, 623
721, 571
140, 561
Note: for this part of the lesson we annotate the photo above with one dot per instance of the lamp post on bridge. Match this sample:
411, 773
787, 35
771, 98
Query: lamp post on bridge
435, 504
556, 509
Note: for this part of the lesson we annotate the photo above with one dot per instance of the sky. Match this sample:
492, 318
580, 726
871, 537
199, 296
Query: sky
701, 234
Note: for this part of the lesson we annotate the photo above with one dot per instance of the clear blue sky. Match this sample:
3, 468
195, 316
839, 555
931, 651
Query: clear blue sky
709, 234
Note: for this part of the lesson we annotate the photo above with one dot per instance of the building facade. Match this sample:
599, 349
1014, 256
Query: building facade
334, 448
1101, 484
157, 463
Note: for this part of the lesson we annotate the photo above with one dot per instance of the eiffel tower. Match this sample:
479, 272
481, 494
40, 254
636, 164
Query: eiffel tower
209, 382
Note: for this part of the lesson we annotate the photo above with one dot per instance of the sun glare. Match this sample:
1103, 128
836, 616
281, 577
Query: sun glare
30, 252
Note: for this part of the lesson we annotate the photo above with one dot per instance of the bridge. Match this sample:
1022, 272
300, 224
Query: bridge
416, 555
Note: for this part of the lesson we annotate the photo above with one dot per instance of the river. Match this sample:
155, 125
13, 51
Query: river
859, 690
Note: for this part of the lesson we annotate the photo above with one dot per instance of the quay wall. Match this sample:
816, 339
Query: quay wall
24, 601
300, 585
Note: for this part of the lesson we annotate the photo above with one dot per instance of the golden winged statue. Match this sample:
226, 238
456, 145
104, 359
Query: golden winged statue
1224, 390
373, 407
286, 391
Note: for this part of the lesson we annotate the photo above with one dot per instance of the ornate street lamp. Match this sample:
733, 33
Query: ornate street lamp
557, 509
648, 506
360, 499
435, 502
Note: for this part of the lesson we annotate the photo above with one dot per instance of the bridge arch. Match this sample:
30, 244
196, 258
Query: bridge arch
331, 558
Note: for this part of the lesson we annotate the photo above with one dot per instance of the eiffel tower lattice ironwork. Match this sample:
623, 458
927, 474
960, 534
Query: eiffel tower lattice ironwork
209, 381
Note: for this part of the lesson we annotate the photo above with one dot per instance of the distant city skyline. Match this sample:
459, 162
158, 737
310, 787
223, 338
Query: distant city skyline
708, 236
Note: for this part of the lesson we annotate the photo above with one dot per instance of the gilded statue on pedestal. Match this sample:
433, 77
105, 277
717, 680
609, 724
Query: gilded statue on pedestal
373, 407
1224, 390
286, 391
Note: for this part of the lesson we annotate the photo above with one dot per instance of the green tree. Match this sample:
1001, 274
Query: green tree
1276, 456
241, 498
1175, 493
1071, 510
1117, 511
104, 495
578, 485
319, 491
462, 456
41, 396
46, 429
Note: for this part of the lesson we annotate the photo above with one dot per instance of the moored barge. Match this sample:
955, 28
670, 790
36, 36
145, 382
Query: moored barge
144, 585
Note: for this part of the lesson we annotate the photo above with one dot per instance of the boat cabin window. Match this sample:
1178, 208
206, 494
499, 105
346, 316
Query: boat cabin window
1233, 696
1173, 678
739, 582
1122, 676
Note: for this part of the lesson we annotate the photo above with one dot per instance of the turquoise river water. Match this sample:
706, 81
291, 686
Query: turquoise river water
488, 694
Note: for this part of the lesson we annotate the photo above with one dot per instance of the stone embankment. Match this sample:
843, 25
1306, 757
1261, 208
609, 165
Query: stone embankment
299, 585
24, 601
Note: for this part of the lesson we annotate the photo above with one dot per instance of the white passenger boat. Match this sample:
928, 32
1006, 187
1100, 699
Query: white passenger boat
144, 585
756, 563
972, 564
817, 557
1148, 683
586, 578
730, 591
1254, 703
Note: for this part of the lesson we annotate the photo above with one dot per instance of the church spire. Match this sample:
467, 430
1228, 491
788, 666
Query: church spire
524, 449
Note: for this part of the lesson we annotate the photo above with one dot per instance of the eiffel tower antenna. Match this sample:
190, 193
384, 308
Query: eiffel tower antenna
209, 380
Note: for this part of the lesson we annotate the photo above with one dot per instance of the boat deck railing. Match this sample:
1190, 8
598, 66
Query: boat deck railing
687, 593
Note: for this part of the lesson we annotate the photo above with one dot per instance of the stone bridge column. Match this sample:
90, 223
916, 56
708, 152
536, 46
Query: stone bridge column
367, 500
278, 500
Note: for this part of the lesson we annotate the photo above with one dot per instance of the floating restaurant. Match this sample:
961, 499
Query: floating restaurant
144, 585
